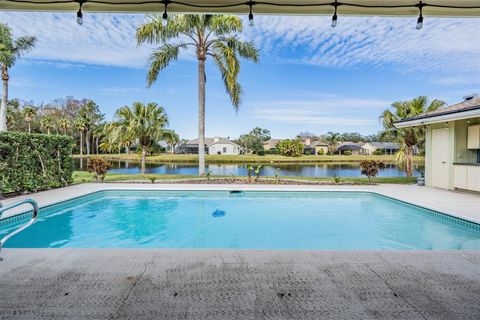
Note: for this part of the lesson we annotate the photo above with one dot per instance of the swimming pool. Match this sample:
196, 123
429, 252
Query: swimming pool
242, 220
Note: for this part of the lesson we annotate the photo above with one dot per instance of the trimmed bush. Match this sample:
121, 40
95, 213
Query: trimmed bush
271, 151
99, 167
290, 148
371, 168
34, 162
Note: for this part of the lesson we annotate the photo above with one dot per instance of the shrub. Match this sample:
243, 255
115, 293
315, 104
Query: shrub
320, 152
371, 168
99, 167
261, 152
257, 172
249, 173
290, 148
378, 152
336, 179
271, 151
152, 179
34, 162
347, 153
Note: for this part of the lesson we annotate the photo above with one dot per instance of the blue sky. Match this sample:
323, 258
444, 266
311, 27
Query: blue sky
310, 77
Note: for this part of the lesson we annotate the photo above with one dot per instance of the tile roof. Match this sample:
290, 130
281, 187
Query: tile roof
466, 105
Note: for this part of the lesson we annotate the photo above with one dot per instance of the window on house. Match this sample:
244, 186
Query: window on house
224, 150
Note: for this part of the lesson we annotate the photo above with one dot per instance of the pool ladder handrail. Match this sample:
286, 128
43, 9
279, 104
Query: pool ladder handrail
25, 226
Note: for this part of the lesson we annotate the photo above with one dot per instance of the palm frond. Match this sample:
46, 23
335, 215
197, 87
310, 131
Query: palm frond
161, 58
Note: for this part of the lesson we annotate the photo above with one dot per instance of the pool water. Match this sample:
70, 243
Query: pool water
248, 220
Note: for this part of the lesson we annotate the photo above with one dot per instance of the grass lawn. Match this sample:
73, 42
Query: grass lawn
82, 177
248, 158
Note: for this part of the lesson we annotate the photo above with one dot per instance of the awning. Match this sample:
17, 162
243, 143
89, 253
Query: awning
449, 8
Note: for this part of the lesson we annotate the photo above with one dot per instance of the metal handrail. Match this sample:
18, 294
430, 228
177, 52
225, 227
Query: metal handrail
25, 226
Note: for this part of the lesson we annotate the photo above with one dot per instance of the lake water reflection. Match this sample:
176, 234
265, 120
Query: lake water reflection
306, 169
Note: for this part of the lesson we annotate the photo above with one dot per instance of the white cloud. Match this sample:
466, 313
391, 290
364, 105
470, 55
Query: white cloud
104, 39
321, 109
444, 46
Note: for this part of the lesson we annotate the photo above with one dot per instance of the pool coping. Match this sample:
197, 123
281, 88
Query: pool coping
105, 187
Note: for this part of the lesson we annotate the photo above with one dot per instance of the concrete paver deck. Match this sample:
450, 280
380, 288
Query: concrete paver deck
228, 284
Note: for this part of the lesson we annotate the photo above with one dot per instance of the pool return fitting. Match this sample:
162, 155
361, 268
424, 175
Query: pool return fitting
25, 226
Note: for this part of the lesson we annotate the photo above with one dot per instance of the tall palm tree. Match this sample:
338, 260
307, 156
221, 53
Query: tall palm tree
97, 134
407, 137
64, 123
29, 113
211, 36
90, 112
80, 126
10, 50
143, 123
47, 123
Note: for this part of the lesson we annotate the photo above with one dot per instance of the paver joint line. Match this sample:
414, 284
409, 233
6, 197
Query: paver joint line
395, 293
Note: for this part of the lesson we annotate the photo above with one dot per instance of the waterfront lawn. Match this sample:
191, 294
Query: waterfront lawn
248, 158
85, 177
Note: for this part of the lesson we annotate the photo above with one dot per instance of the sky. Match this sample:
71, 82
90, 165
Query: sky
310, 77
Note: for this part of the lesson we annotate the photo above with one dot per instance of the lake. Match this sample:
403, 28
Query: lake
344, 169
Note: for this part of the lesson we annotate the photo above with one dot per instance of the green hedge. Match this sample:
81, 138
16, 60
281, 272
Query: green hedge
33, 162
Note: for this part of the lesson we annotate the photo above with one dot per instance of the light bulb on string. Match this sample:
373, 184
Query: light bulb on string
420, 17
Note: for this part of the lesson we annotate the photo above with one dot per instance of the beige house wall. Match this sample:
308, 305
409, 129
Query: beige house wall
458, 152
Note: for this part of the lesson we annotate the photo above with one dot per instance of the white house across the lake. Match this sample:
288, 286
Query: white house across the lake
215, 145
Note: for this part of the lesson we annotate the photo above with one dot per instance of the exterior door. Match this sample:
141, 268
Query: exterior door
440, 165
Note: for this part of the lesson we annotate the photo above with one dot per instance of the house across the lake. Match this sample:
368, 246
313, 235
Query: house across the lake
351, 148
271, 144
216, 145
452, 144
369, 148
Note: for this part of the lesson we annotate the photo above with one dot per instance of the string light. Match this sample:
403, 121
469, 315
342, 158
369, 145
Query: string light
250, 15
420, 5
420, 17
334, 18
79, 12
165, 15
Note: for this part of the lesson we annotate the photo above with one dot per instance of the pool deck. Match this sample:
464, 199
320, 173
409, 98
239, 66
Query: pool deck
238, 284
459, 204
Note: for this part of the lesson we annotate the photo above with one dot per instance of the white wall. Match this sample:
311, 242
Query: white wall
223, 148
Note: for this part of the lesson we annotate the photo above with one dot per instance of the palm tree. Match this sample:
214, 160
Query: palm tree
80, 126
142, 123
97, 134
332, 139
64, 123
407, 137
47, 123
211, 36
10, 50
28, 114
172, 138
90, 112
